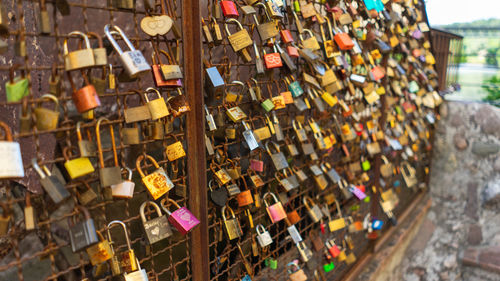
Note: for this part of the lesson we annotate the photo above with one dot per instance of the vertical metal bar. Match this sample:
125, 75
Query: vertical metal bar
195, 129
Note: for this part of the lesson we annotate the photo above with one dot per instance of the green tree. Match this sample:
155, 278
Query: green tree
492, 86
491, 57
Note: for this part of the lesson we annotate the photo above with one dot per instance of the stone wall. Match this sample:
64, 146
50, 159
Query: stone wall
460, 237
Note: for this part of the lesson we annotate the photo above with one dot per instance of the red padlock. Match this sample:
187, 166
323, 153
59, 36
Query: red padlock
377, 73
272, 60
332, 249
158, 77
292, 51
229, 9
286, 36
86, 98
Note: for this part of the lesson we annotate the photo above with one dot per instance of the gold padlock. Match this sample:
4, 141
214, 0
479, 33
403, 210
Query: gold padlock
157, 107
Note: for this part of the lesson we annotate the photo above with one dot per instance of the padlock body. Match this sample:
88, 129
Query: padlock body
276, 212
140, 275
109, 176
99, 252
157, 183
125, 189
17, 90
267, 30
136, 114
157, 229
244, 198
134, 63
160, 81
264, 239
79, 59
86, 99
79, 167
158, 108
11, 162
183, 220
229, 9
273, 60
233, 229
83, 235
55, 188
100, 57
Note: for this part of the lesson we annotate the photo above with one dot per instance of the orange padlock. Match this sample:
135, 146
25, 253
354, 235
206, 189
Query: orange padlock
86, 98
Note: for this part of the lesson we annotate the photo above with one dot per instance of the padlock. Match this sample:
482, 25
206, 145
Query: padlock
210, 119
294, 86
273, 60
229, 9
50, 183
157, 183
158, 228
157, 107
165, 75
232, 225
311, 42
312, 209
87, 148
339, 223
218, 196
100, 55
87, 196
100, 252
82, 234
18, 86
343, 40
175, 150
29, 214
409, 174
240, 40
263, 236
11, 162
86, 98
82, 58
333, 249
44, 20
125, 189
178, 104
128, 260
275, 211
78, 167
278, 158
365, 164
133, 61
288, 182
305, 253
268, 29
5, 218
139, 275
182, 219
296, 274
123, 4
235, 113
245, 197
137, 113
386, 169
107, 175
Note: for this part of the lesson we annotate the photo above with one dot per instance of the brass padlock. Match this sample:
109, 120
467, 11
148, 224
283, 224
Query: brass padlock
157, 107
240, 40
5, 219
137, 113
157, 183
100, 55
78, 59
47, 119
232, 225
128, 260
107, 175
100, 252
44, 20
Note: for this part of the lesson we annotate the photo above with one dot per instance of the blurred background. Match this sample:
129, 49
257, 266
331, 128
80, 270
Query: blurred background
474, 54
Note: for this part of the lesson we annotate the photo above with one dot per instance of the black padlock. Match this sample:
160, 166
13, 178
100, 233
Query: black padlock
82, 234
51, 183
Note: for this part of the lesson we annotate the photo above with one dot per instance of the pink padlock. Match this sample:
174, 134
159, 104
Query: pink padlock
276, 211
181, 218
357, 192
257, 165
292, 51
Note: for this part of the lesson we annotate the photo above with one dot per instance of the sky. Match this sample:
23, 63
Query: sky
450, 11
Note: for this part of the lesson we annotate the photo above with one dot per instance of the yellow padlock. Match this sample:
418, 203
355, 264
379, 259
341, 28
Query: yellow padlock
78, 167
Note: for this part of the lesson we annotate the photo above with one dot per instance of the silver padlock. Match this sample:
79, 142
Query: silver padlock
158, 228
263, 236
312, 209
294, 233
11, 162
305, 253
133, 60
250, 137
125, 189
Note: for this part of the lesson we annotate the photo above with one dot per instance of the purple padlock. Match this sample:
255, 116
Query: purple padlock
357, 192
182, 218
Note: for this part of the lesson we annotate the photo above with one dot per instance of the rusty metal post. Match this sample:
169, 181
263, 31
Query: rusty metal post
195, 127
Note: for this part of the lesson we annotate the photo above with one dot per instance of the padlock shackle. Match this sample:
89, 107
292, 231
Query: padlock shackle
129, 247
12, 70
50, 97
308, 202
145, 158
67, 152
260, 229
107, 32
78, 33
143, 206
7, 131
223, 211
130, 173
276, 147
150, 90
163, 204
231, 20
272, 195
39, 171
91, 34
99, 145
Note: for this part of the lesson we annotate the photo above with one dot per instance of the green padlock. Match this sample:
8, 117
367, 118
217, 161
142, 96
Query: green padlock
365, 164
328, 267
268, 105
296, 6
16, 87
271, 263
294, 87
413, 88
